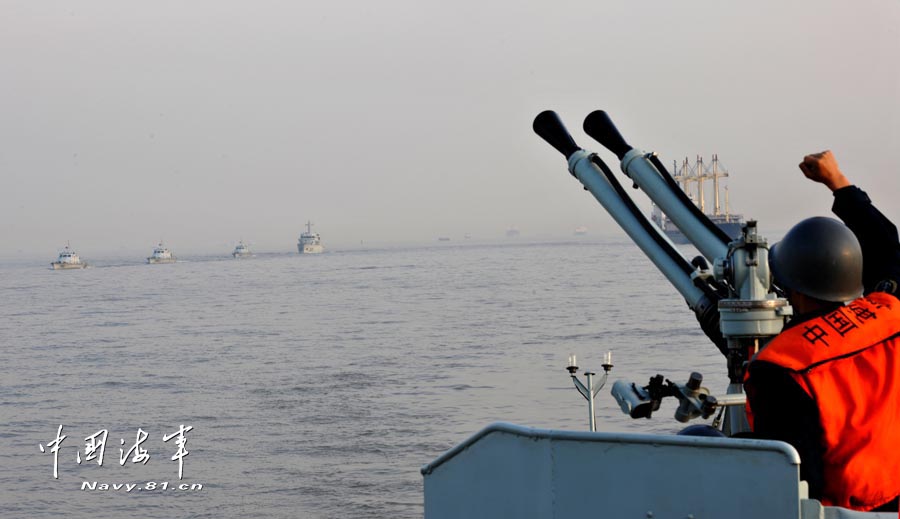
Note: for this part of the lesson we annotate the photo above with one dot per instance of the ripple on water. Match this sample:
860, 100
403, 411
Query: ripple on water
318, 388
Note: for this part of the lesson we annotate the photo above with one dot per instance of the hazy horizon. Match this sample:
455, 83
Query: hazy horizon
203, 123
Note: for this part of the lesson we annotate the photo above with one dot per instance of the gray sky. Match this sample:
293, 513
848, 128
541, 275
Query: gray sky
206, 121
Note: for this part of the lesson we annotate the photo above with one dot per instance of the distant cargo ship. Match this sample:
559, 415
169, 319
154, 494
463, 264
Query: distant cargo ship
686, 174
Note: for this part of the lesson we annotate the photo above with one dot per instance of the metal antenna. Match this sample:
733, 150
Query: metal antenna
588, 391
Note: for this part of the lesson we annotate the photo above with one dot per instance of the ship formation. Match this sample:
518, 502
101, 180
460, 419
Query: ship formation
686, 175
308, 243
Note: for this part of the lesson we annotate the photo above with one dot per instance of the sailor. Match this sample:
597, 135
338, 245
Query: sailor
829, 383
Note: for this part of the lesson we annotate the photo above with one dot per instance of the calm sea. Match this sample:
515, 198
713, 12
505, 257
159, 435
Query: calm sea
315, 386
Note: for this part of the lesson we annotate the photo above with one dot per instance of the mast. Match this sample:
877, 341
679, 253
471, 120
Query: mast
727, 208
687, 176
677, 174
700, 177
716, 176
681, 175
687, 173
715, 167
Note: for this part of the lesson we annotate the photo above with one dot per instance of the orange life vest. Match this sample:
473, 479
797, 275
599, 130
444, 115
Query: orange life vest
848, 362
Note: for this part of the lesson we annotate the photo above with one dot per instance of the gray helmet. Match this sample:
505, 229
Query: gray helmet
821, 258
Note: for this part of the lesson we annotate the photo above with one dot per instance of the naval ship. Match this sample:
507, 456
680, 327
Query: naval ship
686, 174
310, 242
161, 255
68, 259
242, 251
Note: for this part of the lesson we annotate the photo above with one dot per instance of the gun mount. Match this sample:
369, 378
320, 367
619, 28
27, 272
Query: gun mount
735, 301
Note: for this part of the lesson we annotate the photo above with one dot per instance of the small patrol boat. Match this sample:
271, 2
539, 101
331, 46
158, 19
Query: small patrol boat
68, 260
242, 251
161, 255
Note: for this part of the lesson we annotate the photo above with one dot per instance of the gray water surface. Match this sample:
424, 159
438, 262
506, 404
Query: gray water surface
316, 386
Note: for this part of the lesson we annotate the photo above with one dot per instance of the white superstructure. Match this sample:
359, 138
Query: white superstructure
310, 242
161, 255
242, 251
68, 259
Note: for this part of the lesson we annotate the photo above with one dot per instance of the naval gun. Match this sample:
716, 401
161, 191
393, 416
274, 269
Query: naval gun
734, 300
